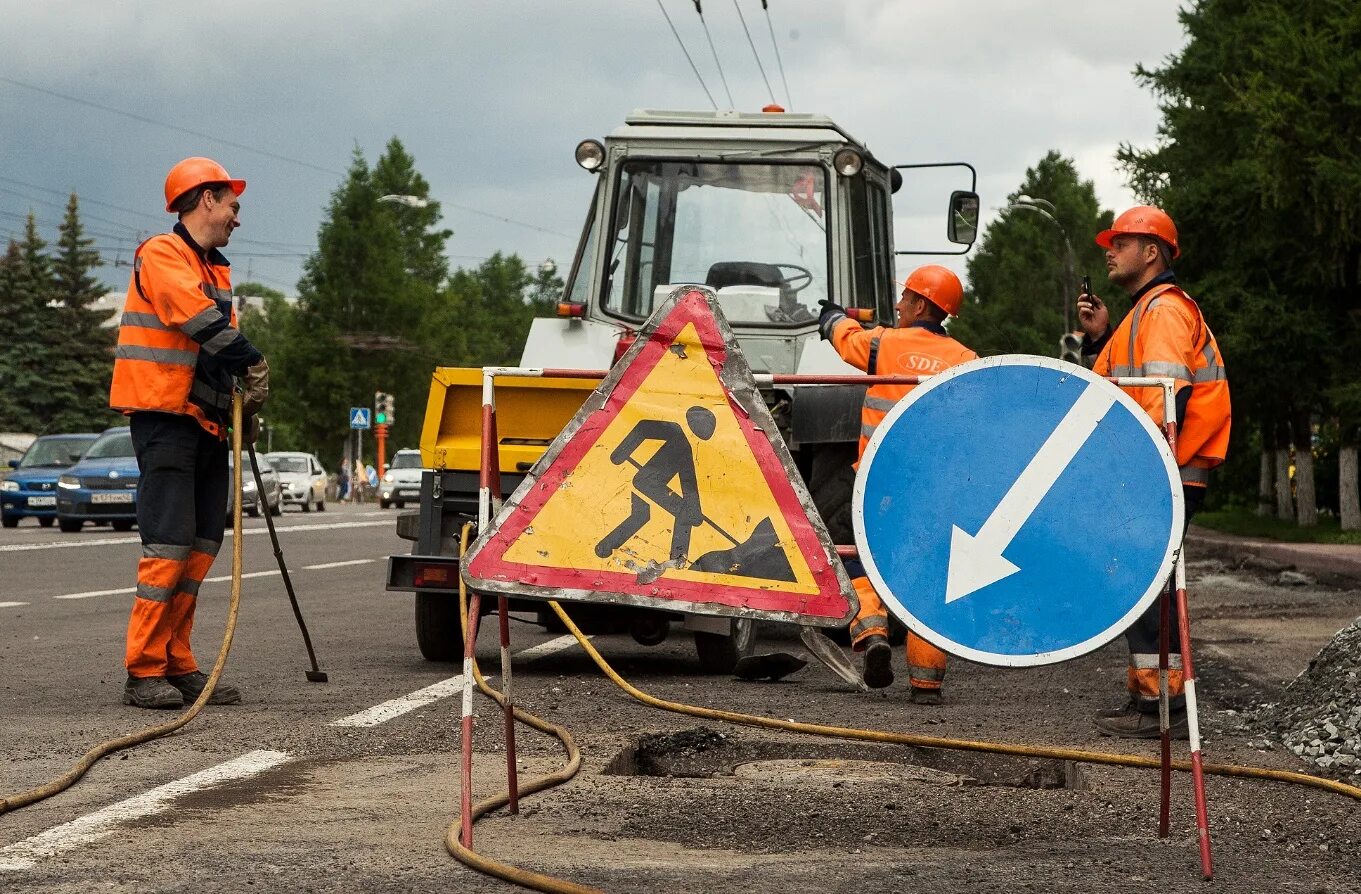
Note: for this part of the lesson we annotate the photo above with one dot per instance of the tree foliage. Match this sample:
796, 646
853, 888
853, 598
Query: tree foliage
1259, 162
1020, 280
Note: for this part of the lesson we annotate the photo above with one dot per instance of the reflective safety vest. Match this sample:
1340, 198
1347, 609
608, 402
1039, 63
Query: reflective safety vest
922, 349
1165, 335
178, 338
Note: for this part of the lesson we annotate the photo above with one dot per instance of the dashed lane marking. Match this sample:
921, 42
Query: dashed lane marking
111, 541
93, 593
338, 564
102, 823
443, 689
12, 604
223, 577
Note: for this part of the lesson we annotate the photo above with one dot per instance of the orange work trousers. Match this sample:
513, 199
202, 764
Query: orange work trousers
925, 663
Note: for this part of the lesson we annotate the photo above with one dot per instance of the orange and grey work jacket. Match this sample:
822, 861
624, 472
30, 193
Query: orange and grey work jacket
920, 349
1165, 335
178, 345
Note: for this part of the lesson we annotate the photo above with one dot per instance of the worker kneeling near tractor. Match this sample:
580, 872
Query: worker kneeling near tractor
918, 346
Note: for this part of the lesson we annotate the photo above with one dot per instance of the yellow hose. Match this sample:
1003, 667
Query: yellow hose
71, 776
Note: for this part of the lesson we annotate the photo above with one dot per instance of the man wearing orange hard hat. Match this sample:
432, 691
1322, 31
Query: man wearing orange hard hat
918, 346
178, 361
1163, 335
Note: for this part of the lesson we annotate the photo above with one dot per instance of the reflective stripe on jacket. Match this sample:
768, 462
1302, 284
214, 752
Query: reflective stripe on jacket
922, 349
1165, 335
178, 345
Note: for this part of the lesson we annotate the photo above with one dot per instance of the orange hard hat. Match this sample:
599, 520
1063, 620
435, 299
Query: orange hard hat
194, 172
1142, 220
939, 285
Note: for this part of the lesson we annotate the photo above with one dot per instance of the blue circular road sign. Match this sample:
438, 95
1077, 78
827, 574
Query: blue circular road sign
1017, 510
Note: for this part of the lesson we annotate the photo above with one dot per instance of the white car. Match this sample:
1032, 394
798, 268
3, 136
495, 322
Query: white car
402, 480
302, 478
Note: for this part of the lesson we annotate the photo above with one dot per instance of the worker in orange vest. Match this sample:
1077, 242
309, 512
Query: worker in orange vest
179, 359
918, 346
1163, 335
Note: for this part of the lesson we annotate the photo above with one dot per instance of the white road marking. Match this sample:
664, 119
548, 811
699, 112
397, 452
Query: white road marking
102, 823
96, 593
221, 577
338, 564
12, 604
443, 689
111, 541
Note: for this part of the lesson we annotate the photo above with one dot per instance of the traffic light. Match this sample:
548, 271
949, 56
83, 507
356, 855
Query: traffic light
383, 405
1070, 348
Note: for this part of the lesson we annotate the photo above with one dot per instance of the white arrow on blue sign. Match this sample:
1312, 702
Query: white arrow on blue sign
1017, 510
359, 417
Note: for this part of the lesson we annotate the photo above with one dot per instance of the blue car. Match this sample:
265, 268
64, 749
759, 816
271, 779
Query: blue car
102, 487
30, 490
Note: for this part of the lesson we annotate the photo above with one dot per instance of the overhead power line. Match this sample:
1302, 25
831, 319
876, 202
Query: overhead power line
265, 152
789, 100
719, 65
755, 54
687, 55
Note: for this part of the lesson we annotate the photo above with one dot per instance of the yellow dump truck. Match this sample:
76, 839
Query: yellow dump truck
774, 212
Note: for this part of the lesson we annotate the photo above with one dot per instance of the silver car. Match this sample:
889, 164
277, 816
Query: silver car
402, 480
302, 478
251, 499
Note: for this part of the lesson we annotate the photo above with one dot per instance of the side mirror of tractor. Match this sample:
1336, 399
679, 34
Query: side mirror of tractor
962, 226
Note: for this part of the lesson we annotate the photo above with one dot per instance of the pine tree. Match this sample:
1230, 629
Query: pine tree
29, 336
10, 405
83, 361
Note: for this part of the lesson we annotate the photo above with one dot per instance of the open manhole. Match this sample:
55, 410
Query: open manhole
705, 753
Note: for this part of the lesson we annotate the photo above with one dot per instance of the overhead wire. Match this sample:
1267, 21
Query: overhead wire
789, 99
719, 65
686, 52
755, 54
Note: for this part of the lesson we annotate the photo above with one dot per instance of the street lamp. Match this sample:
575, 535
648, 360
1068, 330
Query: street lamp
1046, 209
408, 201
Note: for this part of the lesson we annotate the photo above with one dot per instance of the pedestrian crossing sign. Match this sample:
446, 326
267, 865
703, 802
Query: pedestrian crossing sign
359, 417
671, 488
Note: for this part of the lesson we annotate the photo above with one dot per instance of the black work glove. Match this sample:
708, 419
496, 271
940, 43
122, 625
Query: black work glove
832, 314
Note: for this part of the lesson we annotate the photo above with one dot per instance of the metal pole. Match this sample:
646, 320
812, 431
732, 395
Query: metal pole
469, 650
1164, 713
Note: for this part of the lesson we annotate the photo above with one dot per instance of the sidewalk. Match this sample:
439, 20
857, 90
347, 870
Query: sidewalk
1334, 563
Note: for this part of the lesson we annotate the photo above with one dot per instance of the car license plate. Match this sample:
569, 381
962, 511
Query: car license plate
42, 501
116, 497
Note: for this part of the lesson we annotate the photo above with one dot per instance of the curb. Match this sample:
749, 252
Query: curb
1337, 564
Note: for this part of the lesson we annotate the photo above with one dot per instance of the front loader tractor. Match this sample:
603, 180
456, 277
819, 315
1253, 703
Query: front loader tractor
774, 211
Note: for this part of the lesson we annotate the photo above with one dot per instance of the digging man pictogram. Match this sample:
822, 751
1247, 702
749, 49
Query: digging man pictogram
759, 556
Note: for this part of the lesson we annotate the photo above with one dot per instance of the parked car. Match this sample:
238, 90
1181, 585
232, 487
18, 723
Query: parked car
402, 480
30, 490
101, 487
250, 495
302, 478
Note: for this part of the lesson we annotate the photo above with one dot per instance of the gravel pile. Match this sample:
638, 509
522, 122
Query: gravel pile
1319, 715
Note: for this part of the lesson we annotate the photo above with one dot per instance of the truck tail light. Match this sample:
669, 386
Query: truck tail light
432, 574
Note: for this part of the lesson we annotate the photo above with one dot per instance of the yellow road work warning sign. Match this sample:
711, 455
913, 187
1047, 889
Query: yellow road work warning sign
671, 488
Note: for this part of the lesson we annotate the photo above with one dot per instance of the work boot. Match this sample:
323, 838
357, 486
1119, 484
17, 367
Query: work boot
923, 696
1136, 724
151, 692
1129, 707
878, 662
191, 686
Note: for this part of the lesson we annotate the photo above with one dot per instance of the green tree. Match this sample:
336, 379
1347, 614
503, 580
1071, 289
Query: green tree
82, 364
1020, 280
1259, 162
28, 333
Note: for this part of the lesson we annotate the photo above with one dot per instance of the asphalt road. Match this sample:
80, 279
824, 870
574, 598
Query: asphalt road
349, 785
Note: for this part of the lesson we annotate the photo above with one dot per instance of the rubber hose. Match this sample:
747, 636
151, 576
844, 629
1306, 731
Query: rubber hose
867, 735
71, 776
453, 834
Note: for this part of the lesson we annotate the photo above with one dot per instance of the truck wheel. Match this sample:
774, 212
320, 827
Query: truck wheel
719, 654
438, 630
831, 482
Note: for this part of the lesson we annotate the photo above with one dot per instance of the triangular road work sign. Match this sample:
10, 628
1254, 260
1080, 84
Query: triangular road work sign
671, 488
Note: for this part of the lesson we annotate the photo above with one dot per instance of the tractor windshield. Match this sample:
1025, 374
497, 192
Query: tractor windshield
754, 232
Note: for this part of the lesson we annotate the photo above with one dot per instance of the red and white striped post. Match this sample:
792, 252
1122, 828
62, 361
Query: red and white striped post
1193, 721
469, 649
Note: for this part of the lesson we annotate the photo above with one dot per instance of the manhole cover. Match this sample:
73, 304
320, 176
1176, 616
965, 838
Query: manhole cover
844, 770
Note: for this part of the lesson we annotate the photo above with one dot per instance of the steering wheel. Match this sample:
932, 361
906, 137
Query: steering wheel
799, 281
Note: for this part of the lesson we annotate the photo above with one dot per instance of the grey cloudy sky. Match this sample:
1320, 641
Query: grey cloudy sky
491, 97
